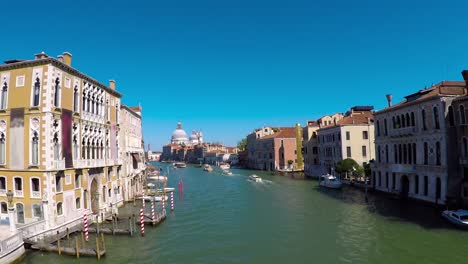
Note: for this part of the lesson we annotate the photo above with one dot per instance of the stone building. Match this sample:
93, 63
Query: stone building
59, 147
348, 136
415, 156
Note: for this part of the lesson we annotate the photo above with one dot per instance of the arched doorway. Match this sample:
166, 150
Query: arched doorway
404, 186
438, 189
94, 197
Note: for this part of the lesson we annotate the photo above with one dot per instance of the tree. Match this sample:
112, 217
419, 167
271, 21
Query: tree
242, 145
348, 166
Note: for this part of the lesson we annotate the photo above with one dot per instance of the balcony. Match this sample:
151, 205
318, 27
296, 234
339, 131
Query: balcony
58, 164
100, 162
79, 164
36, 195
110, 162
403, 132
18, 193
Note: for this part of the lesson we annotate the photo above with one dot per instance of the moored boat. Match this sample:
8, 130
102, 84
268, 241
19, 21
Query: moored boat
225, 166
180, 165
458, 218
207, 168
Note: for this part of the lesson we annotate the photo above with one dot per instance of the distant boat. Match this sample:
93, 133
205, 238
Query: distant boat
458, 218
330, 181
167, 189
207, 168
227, 172
153, 198
158, 178
255, 178
225, 166
180, 165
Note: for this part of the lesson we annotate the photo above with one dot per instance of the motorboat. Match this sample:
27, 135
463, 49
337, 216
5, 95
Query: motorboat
255, 178
458, 218
167, 189
225, 166
158, 178
180, 165
207, 168
227, 172
330, 181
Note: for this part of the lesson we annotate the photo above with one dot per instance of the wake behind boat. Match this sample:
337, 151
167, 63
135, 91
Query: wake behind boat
330, 181
255, 178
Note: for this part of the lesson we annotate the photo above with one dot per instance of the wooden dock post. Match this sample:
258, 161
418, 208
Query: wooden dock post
68, 237
130, 225
98, 253
77, 248
103, 242
58, 243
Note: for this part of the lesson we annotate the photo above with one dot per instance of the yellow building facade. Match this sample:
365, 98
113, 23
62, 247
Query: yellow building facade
59, 150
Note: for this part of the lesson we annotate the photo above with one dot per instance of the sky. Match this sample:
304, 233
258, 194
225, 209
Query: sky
228, 67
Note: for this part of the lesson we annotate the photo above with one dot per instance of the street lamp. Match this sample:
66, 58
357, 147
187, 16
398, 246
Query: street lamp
11, 211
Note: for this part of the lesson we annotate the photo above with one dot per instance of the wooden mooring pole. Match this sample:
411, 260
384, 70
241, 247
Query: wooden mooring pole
98, 253
58, 243
77, 247
68, 237
130, 225
103, 242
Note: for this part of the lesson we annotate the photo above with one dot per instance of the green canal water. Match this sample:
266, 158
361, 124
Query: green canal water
228, 219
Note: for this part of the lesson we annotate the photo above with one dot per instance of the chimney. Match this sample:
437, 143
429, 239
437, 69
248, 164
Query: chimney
60, 58
67, 57
389, 99
465, 76
39, 56
112, 84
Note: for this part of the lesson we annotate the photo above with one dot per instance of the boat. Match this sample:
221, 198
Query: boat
180, 165
227, 172
458, 218
330, 181
207, 168
158, 178
255, 178
225, 166
167, 189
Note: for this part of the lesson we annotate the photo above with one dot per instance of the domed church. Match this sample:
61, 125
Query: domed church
179, 136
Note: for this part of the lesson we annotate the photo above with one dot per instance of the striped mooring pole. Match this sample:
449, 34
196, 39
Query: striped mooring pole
172, 201
152, 211
85, 223
143, 201
142, 223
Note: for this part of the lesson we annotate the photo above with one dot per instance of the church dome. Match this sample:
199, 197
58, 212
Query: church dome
193, 136
179, 135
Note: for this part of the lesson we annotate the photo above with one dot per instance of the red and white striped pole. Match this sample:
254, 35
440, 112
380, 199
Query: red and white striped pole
163, 199
142, 223
152, 211
172, 201
143, 200
85, 223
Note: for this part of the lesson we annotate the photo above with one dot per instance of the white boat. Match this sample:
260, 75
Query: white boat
330, 181
225, 166
180, 165
255, 178
458, 218
158, 178
160, 198
167, 189
227, 172
207, 168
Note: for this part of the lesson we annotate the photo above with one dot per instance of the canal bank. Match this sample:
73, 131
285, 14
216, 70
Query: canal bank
228, 219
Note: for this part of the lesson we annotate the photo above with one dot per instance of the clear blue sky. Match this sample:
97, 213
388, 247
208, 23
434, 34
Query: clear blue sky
227, 67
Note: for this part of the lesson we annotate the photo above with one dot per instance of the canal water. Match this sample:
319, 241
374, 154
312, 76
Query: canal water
228, 219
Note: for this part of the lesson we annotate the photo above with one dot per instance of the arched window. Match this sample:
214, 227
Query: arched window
462, 114
35, 148
4, 208
109, 192
408, 120
400, 154
398, 122
385, 127
3, 102
57, 93
378, 154
405, 154
423, 118
451, 116
37, 210
2, 148
20, 213
438, 154
414, 154
403, 120
426, 154
59, 208
78, 203
386, 153
394, 122
413, 122
56, 147
436, 117
37, 92
395, 154
410, 153
438, 188
378, 128
76, 97
465, 147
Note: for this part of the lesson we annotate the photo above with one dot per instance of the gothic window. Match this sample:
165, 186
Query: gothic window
57, 93
2, 148
426, 154
414, 154
385, 127
408, 120
75, 99
423, 118
3, 102
412, 119
438, 154
35, 148
403, 120
36, 92
436, 118
451, 116
56, 147
59, 209
76, 148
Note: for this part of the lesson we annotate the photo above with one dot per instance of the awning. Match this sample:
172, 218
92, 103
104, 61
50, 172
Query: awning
136, 157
